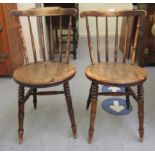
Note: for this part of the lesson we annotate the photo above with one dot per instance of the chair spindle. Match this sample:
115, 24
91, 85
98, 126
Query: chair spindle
89, 42
32, 41
116, 41
125, 40
98, 41
68, 40
60, 40
107, 41
42, 38
51, 40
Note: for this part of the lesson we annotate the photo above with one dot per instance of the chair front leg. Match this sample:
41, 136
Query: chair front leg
20, 113
140, 93
93, 111
70, 108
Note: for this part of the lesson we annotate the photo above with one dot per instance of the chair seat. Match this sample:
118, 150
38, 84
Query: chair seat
44, 73
116, 74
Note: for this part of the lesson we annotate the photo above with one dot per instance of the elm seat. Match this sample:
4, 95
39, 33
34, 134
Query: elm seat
44, 73
114, 73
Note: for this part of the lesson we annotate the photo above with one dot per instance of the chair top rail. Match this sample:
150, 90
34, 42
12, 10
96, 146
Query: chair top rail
113, 13
46, 11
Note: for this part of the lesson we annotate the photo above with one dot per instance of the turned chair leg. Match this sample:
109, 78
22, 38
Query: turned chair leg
70, 108
141, 111
93, 111
89, 98
127, 99
35, 98
20, 113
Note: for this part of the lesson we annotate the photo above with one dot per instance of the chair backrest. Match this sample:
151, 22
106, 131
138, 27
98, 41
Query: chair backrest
109, 14
40, 13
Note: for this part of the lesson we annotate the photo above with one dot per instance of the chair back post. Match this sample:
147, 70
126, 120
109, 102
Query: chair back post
134, 47
68, 40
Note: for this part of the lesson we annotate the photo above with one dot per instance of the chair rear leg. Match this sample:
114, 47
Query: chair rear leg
89, 98
93, 111
140, 93
35, 98
127, 99
70, 108
20, 113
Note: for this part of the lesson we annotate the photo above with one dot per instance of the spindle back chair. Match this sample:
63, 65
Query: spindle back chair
112, 72
48, 72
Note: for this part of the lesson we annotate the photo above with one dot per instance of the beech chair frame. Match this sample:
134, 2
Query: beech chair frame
33, 87
95, 81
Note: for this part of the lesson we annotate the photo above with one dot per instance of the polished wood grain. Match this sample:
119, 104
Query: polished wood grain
116, 74
45, 11
115, 13
112, 72
42, 74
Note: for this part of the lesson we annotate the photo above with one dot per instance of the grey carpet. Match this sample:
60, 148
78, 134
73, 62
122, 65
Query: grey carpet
48, 127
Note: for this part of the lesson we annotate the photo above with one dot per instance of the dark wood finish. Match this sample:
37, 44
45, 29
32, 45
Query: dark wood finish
41, 74
10, 41
146, 46
114, 73
146, 49
74, 27
140, 100
93, 110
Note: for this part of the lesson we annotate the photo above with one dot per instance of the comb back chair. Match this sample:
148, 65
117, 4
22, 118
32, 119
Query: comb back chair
112, 72
45, 73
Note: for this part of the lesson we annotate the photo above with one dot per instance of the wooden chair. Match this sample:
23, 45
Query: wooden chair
45, 73
112, 72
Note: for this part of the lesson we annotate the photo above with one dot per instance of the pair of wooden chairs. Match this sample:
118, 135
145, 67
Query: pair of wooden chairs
54, 71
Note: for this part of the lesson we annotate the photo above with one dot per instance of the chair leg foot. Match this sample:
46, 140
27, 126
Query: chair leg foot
70, 109
90, 138
141, 139
20, 136
141, 111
